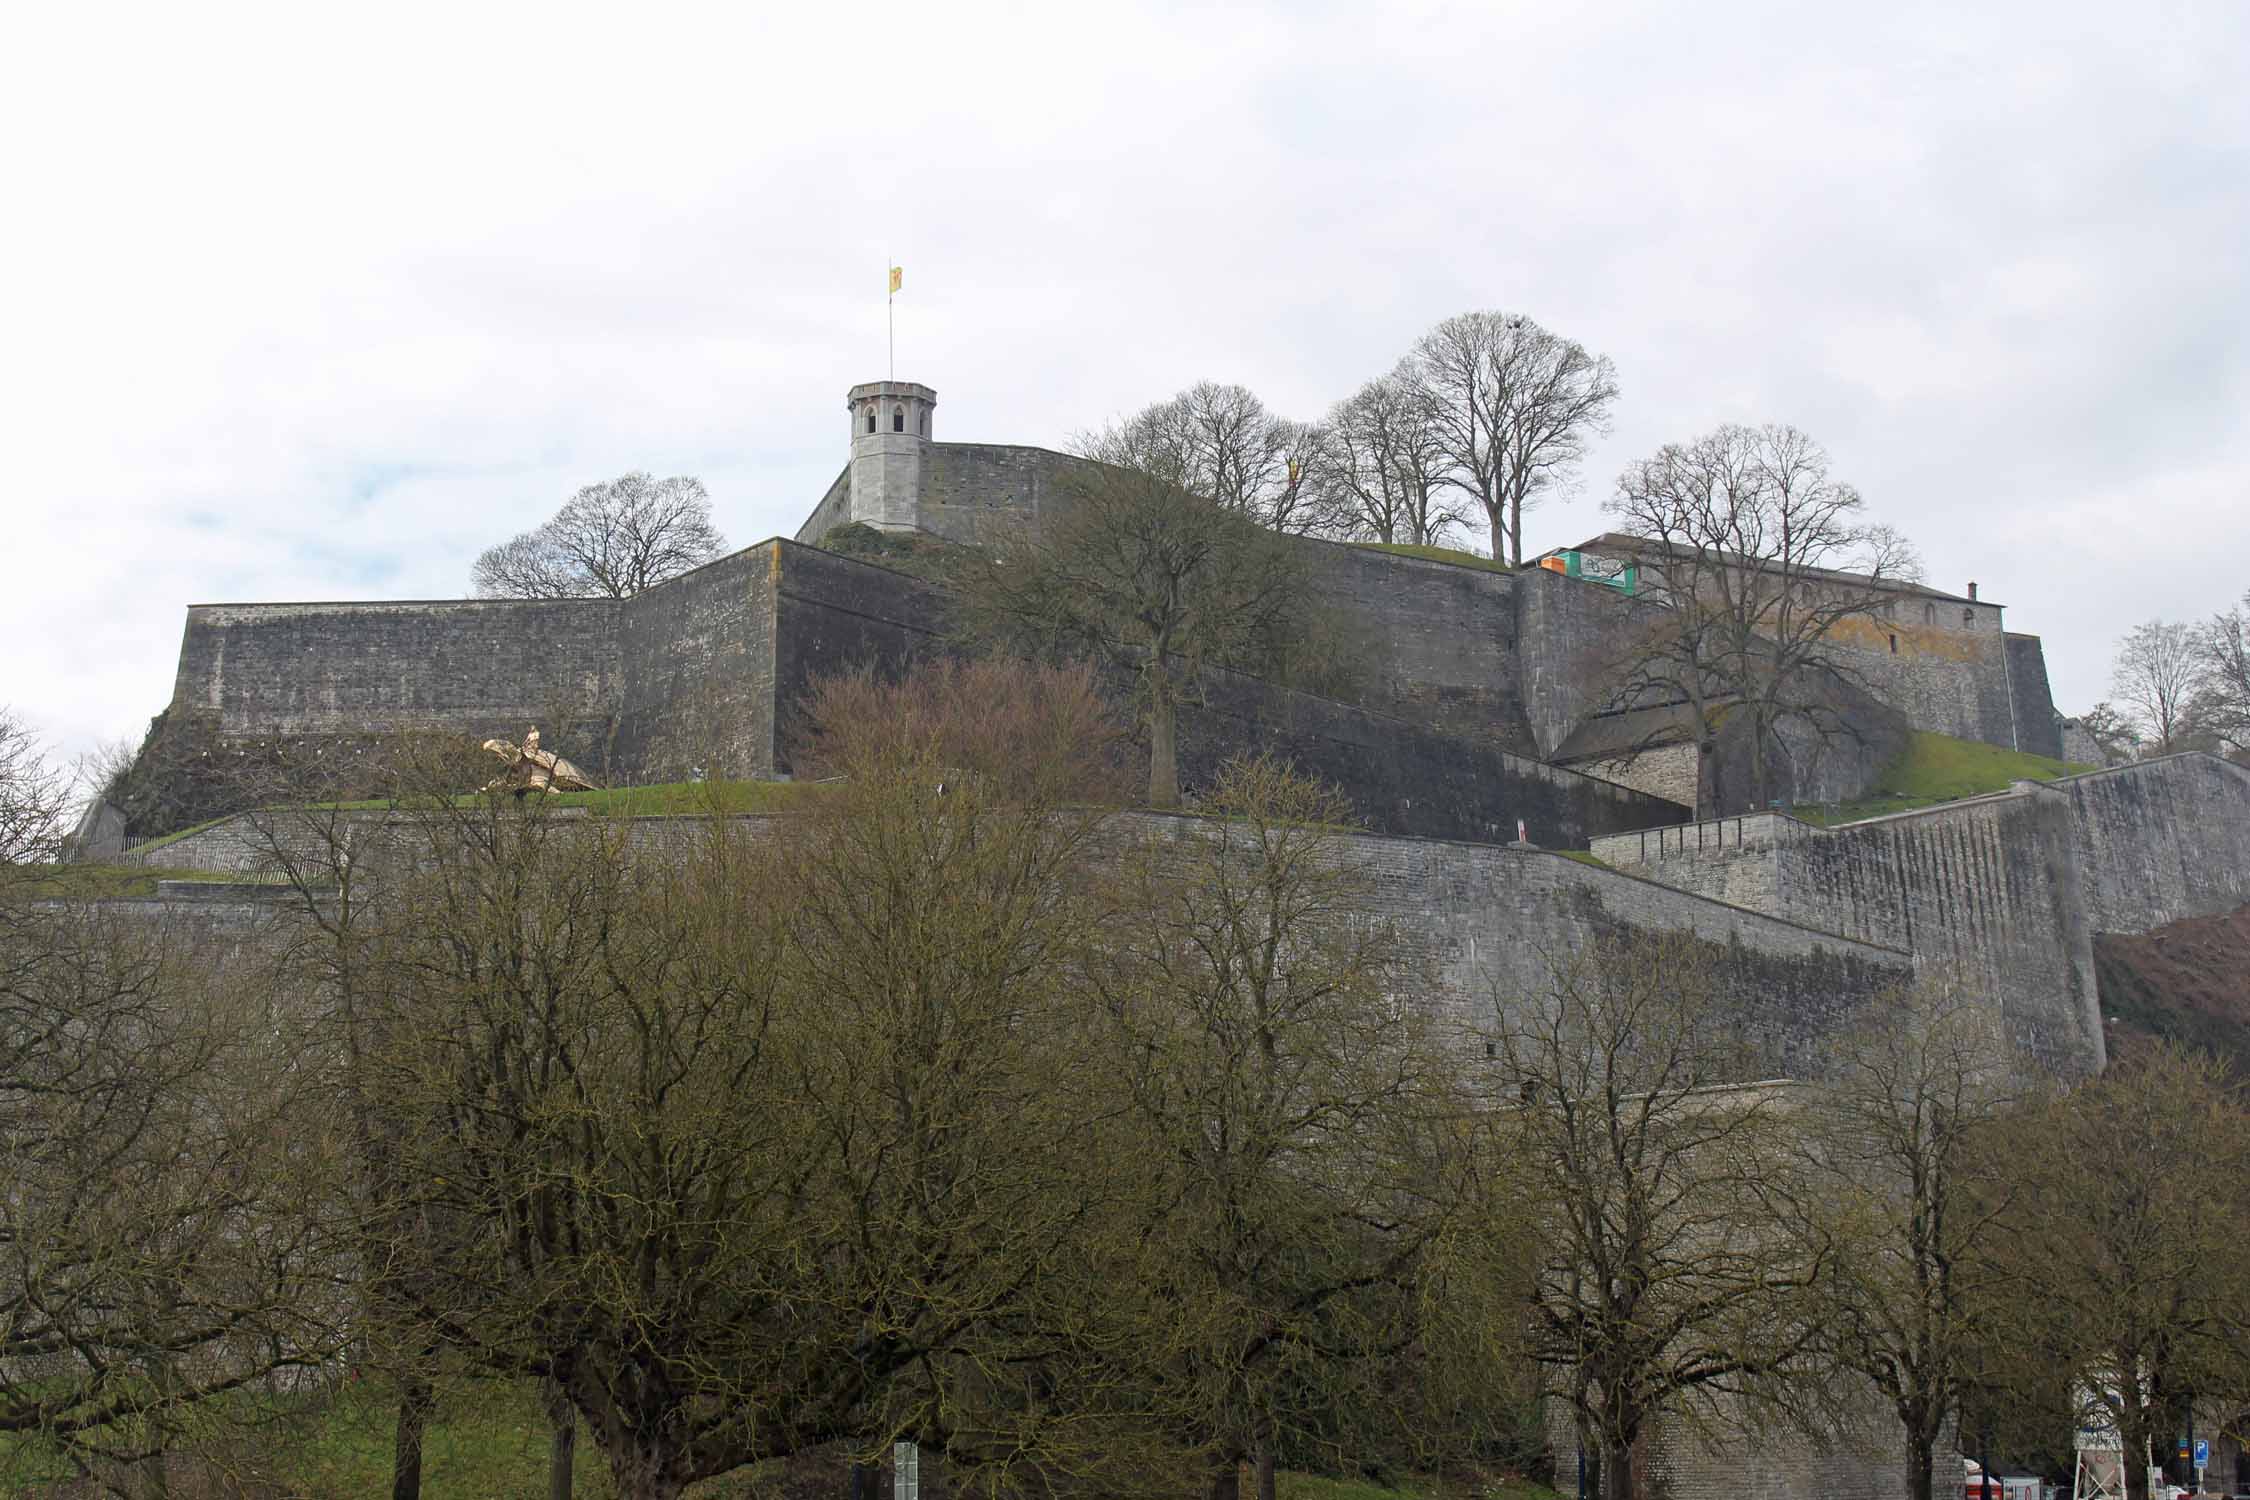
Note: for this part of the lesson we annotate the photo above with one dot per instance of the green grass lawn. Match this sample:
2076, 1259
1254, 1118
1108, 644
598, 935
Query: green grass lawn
650, 801
674, 797
104, 882
488, 1441
1452, 555
1936, 768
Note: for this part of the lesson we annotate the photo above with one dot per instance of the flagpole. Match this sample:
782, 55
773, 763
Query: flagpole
890, 316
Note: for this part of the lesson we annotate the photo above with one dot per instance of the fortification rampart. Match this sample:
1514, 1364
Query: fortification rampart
476, 665
2007, 890
709, 673
1988, 889
1943, 664
963, 490
1480, 923
697, 672
2161, 840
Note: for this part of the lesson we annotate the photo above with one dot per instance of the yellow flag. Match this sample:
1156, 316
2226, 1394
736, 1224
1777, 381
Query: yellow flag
898, 276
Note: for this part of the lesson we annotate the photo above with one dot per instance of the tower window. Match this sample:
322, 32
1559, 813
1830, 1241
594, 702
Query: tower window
898, 419
925, 424
871, 419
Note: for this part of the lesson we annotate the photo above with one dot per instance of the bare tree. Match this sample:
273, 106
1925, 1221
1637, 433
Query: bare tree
2222, 703
1305, 503
737, 1183
1753, 555
1273, 1092
1144, 571
2156, 674
171, 1245
1906, 1187
1227, 446
613, 539
2124, 1264
34, 797
1645, 1166
1389, 467
1516, 406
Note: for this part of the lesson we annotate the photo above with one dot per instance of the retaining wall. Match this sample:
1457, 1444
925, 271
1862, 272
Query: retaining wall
477, 666
2007, 889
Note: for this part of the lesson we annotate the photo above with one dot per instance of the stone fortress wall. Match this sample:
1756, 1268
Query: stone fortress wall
1480, 925
706, 675
2006, 891
1471, 683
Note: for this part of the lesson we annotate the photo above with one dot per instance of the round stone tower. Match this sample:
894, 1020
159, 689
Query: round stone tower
890, 438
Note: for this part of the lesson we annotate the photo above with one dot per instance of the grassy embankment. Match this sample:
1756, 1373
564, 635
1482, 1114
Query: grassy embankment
1936, 768
1452, 555
100, 882
676, 797
488, 1441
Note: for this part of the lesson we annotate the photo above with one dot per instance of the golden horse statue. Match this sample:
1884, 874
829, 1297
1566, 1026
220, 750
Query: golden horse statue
531, 769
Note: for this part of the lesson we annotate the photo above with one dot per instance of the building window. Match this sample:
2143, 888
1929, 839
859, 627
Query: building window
898, 419
1968, 617
1929, 614
1894, 645
871, 419
925, 424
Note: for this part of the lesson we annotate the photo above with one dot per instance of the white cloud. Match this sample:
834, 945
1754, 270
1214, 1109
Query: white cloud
312, 304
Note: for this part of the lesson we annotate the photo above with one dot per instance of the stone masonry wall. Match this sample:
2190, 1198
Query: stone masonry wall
1480, 923
697, 669
1430, 641
836, 614
1401, 776
834, 510
2161, 840
1948, 671
2006, 889
476, 666
1571, 633
2037, 727
1989, 890
968, 487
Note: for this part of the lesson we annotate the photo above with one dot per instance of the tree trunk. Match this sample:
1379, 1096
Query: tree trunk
1514, 558
562, 1441
1226, 1479
1499, 532
414, 1404
642, 1476
1617, 1470
1919, 1484
1265, 1470
1163, 747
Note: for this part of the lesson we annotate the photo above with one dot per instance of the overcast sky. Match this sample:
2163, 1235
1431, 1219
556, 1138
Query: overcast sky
316, 303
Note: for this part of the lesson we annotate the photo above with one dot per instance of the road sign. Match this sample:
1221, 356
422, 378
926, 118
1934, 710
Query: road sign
2203, 1453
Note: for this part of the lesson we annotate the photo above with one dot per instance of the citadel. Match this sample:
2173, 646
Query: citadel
1477, 746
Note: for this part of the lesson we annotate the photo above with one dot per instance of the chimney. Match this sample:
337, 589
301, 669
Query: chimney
1972, 588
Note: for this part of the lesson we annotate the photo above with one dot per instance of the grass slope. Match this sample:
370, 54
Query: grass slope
1937, 768
672, 797
488, 1441
1452, 555
103, 882
676, 797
